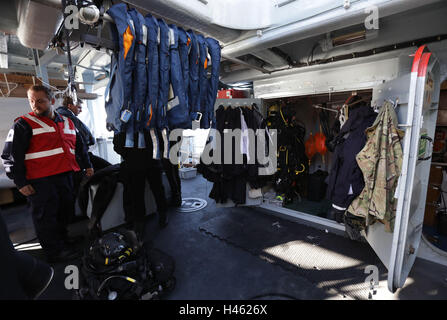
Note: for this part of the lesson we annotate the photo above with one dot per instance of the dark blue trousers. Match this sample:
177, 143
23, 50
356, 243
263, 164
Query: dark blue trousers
51, 206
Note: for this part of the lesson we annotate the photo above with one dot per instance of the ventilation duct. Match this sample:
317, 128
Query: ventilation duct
38, 23
275, 60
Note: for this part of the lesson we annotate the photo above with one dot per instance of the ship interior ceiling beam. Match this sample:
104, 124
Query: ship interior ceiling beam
16, 85
246, 64
48, 56
21, 83
22, 79
30, 70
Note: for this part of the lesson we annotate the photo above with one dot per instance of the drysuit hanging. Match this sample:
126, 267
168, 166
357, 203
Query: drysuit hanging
230, 179
346, 179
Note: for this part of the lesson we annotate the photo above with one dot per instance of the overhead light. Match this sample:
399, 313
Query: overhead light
89, 15
349, 38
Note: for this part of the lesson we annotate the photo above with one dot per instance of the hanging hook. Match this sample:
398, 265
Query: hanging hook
393, 103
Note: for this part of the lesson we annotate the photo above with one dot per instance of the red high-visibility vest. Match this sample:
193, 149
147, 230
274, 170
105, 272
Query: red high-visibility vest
52, 147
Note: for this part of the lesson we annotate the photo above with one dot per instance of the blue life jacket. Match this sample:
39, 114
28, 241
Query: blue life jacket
177, 110
152, 108
193, 87
119, 91
203, 81
213, 81
164, 68
185, 47
138, 104
153, 34
114, 99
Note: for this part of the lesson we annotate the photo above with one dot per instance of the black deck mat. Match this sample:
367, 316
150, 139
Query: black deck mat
327, 260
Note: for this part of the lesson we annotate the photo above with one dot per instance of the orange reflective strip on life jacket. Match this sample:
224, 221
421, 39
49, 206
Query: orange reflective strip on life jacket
127, 41
206, 63
150, 117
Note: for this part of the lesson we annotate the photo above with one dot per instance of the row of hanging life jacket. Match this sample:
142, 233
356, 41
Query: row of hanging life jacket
158, 79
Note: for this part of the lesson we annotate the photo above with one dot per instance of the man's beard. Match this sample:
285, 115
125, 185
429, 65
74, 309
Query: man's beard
45, 113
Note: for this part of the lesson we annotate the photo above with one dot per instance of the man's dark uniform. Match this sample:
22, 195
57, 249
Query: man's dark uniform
51, 177
98, 163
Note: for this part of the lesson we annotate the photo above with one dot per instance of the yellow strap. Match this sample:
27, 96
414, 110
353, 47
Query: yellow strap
280, 112
298, 172
131, 280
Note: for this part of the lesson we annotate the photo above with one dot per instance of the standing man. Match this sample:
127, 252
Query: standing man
71, 111
39, 155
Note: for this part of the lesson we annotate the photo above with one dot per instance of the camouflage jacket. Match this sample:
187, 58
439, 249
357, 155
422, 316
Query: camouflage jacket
381, 162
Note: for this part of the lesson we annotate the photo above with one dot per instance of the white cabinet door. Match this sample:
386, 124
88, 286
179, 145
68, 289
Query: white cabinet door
418, 94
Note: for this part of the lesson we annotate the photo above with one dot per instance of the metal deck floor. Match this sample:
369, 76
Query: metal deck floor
245, 253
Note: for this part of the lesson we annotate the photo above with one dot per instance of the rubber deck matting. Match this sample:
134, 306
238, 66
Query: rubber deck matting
327, 260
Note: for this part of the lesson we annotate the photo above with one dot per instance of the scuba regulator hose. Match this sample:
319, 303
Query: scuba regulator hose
112, 277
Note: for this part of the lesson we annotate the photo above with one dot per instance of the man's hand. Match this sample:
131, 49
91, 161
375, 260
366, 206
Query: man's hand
27, 190
89, 172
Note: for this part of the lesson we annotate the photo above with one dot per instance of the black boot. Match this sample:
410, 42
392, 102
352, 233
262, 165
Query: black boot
335, 214
139, 226
353, 226
176, 200
163, 219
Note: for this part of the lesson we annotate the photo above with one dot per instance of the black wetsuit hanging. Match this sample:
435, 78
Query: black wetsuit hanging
230, 179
